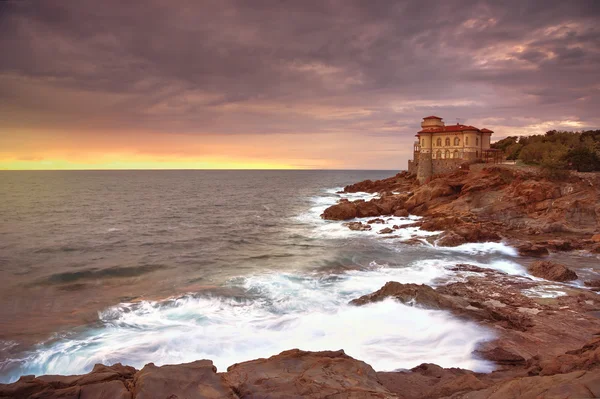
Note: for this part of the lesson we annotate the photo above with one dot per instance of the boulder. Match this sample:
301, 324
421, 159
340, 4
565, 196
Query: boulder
533, 250
300, 374
378, 221
357, 226
198, 379
345, 210
596, 238
366, 209
592, 283
401, 213
386, 230
422, 295
502, 356
552, 271
450, 239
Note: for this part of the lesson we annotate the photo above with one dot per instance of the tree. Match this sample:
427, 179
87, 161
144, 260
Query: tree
583, 159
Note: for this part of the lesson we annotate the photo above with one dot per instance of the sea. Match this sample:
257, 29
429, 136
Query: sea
174, 266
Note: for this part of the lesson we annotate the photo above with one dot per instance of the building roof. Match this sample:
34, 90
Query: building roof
484, 130
432, 117
449, 129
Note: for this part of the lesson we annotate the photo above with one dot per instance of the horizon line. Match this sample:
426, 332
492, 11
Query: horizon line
174, 169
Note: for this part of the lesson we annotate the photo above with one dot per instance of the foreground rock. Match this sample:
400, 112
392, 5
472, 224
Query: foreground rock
197, 379
291, 374
300, 374
527, 327
552, 271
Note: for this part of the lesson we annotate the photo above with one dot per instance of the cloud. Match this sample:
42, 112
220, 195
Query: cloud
349, 69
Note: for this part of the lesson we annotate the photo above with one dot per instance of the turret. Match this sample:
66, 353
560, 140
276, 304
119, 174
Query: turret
432, 122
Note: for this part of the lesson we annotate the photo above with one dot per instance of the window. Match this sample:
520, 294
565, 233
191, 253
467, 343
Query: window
476, 140
447, 153
466, 140
439, 154
423, 143
447, 141
455, 153
456, 141
439, 142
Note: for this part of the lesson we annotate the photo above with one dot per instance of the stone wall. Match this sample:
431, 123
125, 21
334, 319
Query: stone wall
440, 166
412, 166
424, 168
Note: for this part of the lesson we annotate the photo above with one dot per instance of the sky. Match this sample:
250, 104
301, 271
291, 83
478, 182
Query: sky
325, 84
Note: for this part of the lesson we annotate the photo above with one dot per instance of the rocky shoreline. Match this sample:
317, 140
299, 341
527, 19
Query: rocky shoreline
545, 347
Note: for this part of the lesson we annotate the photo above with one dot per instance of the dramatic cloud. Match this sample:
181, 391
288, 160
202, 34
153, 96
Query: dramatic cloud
325, 84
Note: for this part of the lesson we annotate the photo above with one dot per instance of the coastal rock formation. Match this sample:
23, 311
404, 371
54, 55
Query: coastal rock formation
490, 203
527, 327
398, 183
552, 271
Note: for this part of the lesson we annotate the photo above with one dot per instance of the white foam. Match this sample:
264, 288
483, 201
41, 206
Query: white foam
476, 248
287, 311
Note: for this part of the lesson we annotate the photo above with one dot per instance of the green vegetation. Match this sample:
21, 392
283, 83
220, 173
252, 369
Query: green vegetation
556, 151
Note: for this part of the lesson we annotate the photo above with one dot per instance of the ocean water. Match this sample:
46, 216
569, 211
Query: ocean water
175, 266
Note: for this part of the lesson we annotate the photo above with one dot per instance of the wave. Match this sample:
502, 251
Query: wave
280, 311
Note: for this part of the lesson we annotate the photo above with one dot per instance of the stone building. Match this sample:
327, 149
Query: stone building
440, 148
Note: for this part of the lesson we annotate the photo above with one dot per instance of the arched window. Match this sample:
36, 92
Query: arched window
456, 141
476, 140
455, 153
466, 140
447, 141
439, 142
447, 154
439, 154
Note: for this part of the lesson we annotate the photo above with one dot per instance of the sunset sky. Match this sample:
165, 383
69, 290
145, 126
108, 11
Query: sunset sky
338, 84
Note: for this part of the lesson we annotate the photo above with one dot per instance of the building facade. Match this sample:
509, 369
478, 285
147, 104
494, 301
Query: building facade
441, 149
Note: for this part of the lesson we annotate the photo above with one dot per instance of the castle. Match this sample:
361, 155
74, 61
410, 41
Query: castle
441, 149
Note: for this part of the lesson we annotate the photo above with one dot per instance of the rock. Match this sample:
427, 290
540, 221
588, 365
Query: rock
561, 245
579, 384
529, 249
592, 283
198, 379
501, 356
343, 211
401, 213
357, 226
401, 182
430, 381
112, 389
300, 374
366, 209
103, 382
552, 271
378, 221
596, 238
475, 233
387, 230
422, 295
450, 239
